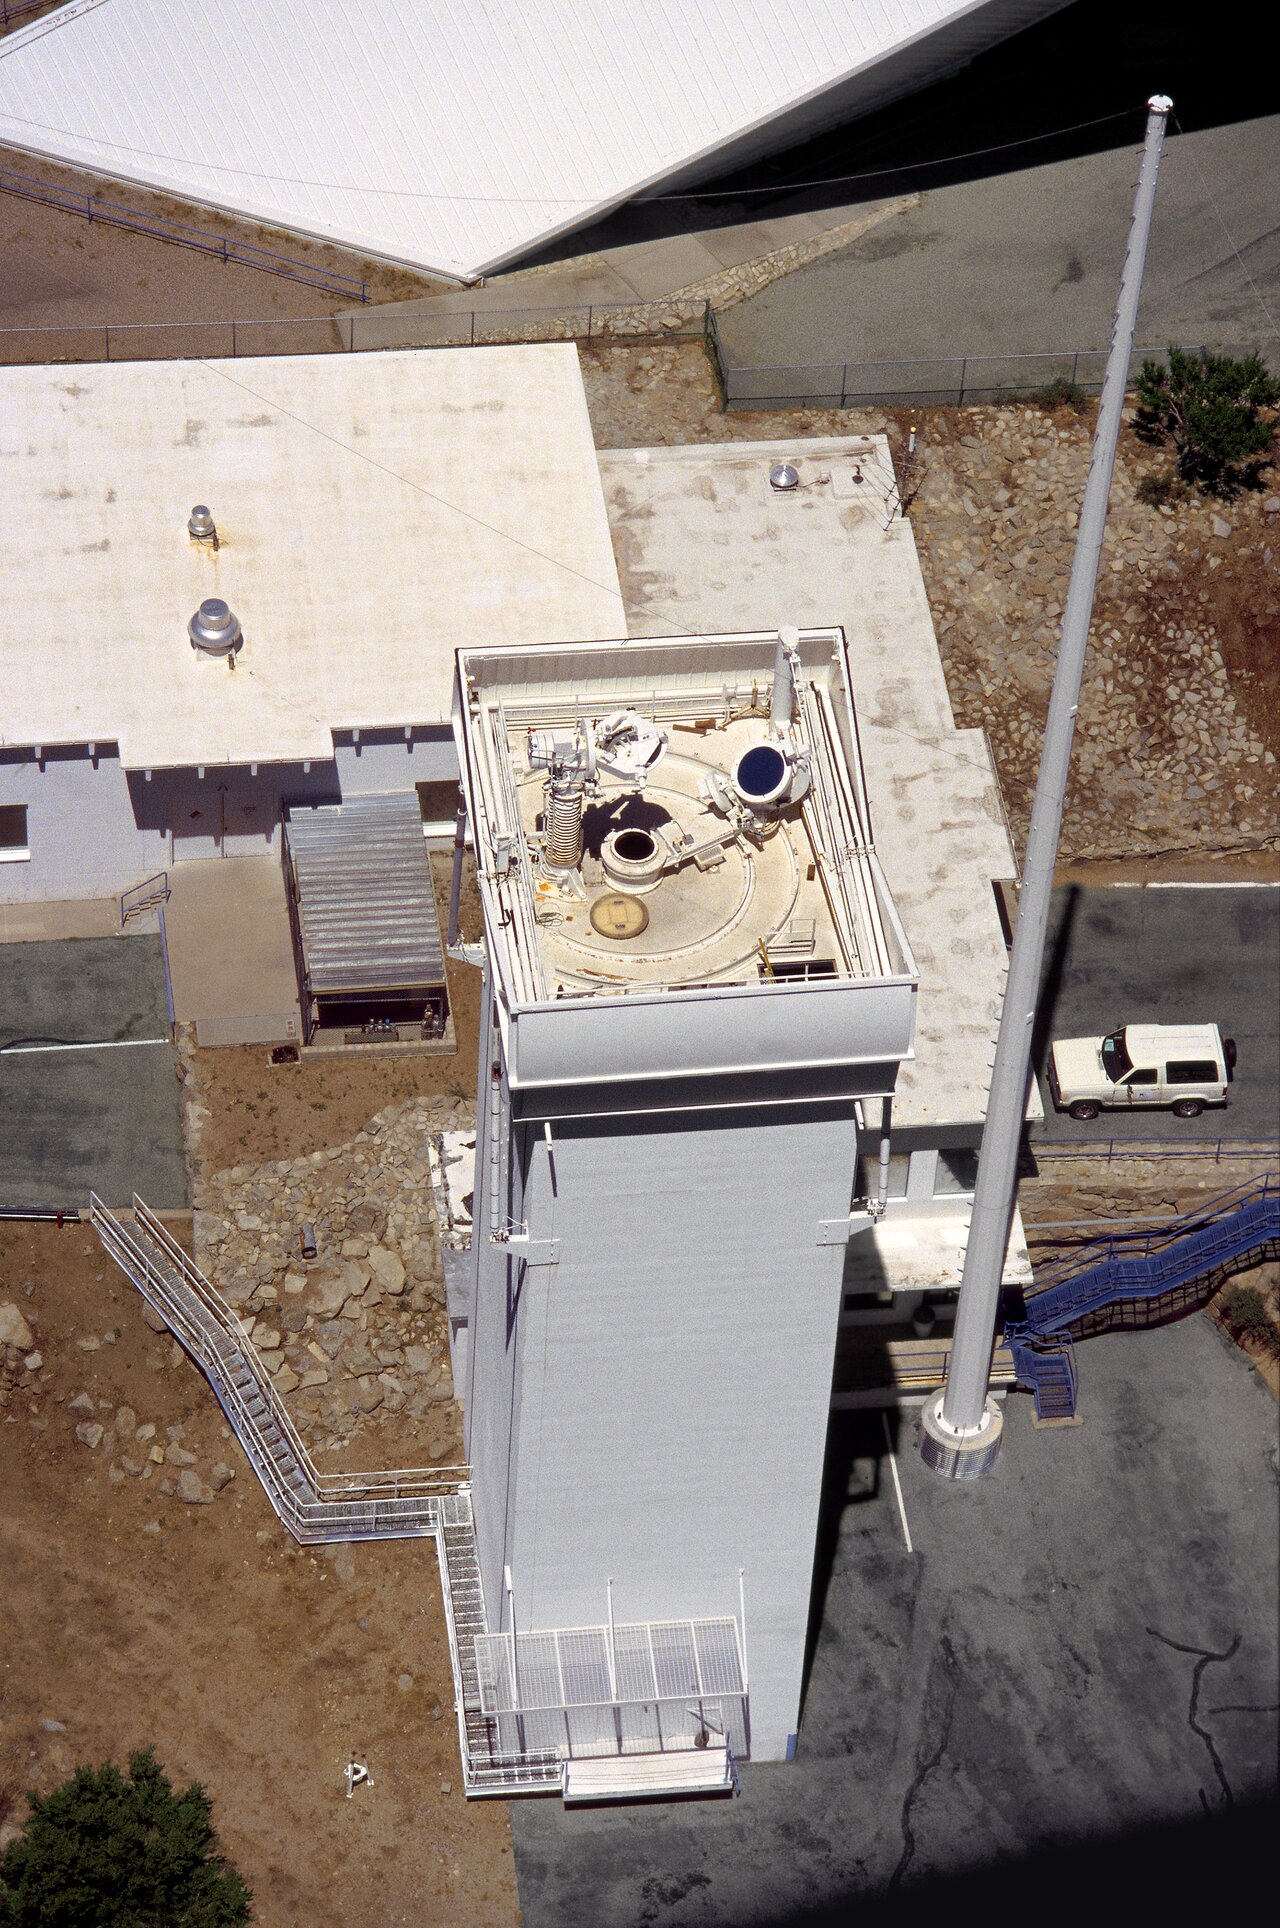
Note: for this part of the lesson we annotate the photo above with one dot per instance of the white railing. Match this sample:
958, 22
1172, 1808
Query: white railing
314, 1506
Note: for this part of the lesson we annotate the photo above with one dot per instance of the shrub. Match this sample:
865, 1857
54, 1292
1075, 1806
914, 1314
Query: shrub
1156, 490
1060, 394
1210, 408
1247, 1315
106, 1850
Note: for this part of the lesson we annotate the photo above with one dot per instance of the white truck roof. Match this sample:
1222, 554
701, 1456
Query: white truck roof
1148, 1042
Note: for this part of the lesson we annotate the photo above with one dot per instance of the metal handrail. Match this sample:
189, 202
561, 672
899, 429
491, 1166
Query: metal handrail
409, 1497
1144, 1241
224, 247
1176, 1257
152, 890
1111, 1149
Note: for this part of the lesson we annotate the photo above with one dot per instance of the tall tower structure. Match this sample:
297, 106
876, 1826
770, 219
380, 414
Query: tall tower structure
696, 989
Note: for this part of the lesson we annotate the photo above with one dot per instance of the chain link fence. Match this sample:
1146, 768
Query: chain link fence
948, 380
372, 329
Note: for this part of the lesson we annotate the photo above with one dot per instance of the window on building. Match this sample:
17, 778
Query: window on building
957, 1172
14, 848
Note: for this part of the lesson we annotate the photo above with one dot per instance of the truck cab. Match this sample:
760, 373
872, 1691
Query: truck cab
1180, 1066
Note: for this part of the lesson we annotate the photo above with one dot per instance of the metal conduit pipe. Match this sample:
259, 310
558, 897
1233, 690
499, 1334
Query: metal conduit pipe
886, 1142
960, 1434
782, 695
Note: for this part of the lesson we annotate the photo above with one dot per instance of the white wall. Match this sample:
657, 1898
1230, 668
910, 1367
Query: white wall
95, 829
654, 1406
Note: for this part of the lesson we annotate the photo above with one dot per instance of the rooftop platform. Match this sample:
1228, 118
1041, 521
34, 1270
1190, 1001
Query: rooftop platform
702, 539
371, 510
718, 855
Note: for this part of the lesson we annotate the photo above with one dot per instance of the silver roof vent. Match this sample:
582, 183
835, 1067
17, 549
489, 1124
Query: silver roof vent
214, 630
784, 476
200, 524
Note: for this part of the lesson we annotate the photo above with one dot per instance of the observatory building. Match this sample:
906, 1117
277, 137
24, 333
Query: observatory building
695, 981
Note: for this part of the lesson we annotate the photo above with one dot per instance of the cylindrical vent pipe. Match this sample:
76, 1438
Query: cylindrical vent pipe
563, 822
782, 695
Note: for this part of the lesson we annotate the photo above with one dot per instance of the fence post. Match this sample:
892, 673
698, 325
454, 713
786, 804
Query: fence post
1075, 367
233, 341
964, 369
590, 314
106, 336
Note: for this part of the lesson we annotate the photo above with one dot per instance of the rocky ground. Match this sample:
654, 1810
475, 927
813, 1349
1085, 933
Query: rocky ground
1180, 711
359, 1330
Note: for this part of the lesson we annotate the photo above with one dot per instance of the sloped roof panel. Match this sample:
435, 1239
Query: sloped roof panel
454, 135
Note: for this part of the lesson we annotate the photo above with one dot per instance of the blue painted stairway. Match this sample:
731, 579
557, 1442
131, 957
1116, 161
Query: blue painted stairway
1137, 1281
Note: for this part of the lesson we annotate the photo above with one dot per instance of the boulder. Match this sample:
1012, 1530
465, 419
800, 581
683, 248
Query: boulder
192, 1489
126, 1422
14, 1330
89, 1432
220, 1475
386, 1269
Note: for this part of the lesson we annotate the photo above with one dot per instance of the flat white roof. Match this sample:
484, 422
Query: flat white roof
450, 134
373, 510
705, 543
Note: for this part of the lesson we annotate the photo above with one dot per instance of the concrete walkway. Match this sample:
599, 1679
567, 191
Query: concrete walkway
231, 952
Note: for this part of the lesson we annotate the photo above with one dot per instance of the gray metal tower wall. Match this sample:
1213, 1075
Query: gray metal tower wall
672, 1375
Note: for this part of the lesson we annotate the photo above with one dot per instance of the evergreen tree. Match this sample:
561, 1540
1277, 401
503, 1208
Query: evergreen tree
106, 1850
1210, 408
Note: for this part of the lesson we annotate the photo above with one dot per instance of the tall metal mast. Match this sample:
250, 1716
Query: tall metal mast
961, 1433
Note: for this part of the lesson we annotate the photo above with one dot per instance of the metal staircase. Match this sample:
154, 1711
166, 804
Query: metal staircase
325, 1507
151, 894
1135, 1282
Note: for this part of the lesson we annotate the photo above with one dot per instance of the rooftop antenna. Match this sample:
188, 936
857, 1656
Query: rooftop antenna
960, 1436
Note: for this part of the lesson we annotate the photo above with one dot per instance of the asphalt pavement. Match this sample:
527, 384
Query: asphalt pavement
1028, 262
106, 1118
1065, 1692
1167, 956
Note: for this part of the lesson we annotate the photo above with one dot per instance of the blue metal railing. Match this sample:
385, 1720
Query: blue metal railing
1135, 1269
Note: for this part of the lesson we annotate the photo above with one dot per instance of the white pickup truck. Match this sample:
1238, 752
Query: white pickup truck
1185, 1066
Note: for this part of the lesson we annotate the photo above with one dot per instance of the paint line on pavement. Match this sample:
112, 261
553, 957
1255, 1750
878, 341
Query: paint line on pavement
897, 1483
103, 1044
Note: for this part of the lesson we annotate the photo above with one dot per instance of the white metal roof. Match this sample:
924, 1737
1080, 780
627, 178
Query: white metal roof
373, 512
455, 135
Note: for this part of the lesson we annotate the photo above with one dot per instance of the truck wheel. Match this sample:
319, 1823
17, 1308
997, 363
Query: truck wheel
1084, 1109
1188, 1108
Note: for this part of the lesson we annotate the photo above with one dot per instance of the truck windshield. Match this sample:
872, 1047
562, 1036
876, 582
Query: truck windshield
1115, 1059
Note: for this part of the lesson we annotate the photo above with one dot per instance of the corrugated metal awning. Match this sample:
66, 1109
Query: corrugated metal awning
365, 901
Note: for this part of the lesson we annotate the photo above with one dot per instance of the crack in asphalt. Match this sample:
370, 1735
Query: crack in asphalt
926, 1762
1204, 1658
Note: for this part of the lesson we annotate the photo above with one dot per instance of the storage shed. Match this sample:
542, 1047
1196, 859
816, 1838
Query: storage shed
366, 931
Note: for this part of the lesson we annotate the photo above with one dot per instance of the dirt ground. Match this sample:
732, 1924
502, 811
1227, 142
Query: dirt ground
60, 272
260, 1111
254, 1665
